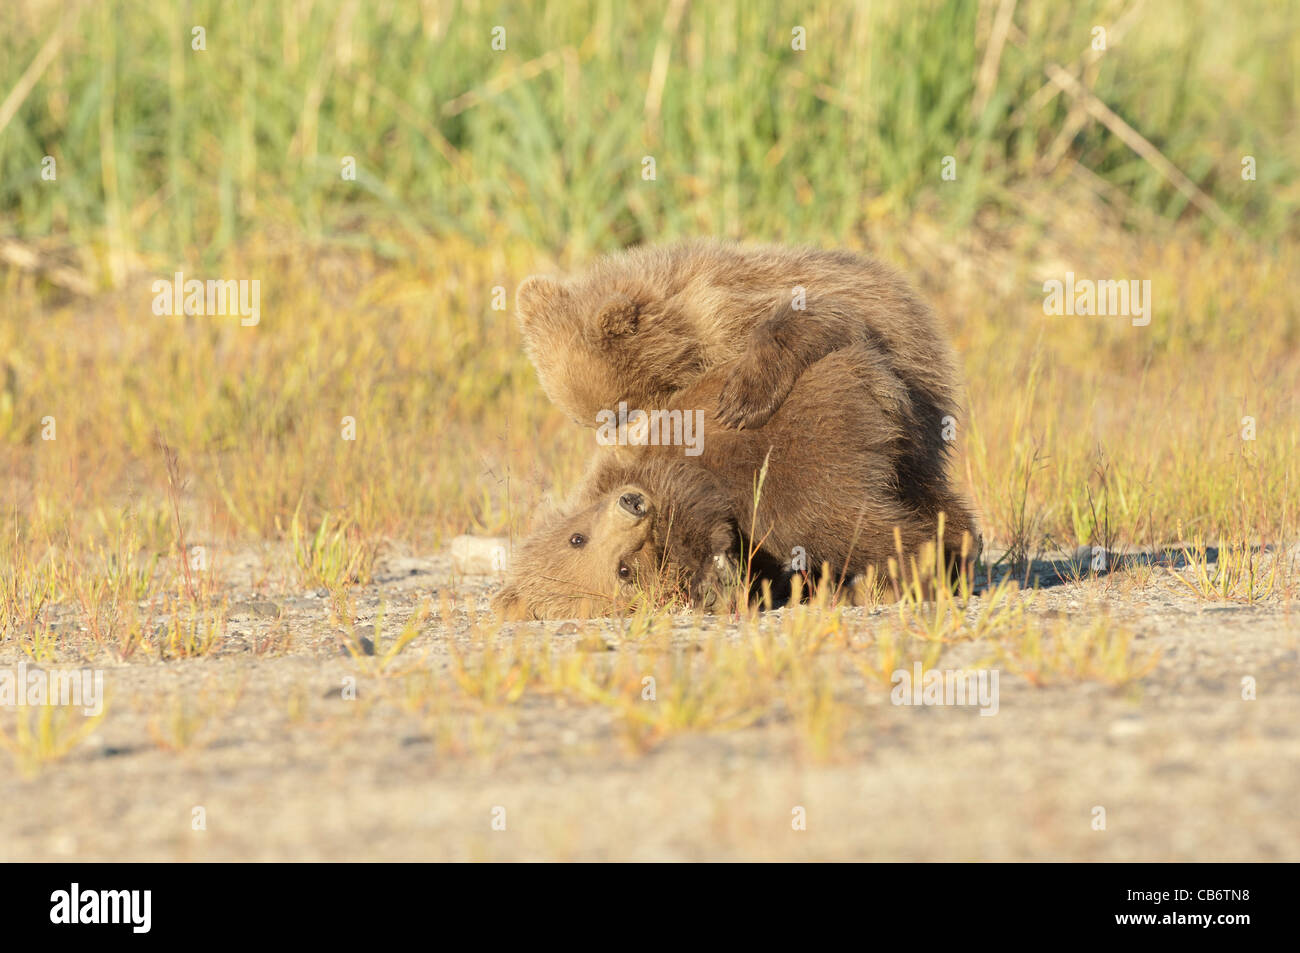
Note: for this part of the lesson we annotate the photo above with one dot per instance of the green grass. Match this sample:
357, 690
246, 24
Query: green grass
168, 155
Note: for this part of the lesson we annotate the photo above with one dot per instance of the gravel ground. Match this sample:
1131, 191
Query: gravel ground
283, 767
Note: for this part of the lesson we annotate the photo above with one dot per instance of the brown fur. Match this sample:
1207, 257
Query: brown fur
648, 323
832, 487
686, 523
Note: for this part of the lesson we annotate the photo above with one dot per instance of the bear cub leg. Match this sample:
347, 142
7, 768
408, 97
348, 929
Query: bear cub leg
778, 350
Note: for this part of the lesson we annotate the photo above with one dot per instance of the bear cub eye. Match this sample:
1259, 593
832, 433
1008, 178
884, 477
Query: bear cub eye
576, 540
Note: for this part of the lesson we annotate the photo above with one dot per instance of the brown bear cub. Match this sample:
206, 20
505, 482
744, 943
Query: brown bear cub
641, 521
643, 325
830, 491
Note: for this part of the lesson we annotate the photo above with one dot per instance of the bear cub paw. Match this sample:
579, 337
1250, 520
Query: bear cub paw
754, 390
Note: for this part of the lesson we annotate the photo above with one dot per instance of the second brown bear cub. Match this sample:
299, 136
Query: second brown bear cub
642, 325
829, 489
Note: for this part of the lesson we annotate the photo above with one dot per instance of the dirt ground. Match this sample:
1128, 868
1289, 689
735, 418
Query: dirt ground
278, 765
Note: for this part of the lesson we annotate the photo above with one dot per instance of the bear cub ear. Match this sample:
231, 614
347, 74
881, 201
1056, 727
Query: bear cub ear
537, 294
618, 317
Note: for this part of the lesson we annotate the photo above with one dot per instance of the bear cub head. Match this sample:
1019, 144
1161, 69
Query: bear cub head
597, 342
646, 529
585, 562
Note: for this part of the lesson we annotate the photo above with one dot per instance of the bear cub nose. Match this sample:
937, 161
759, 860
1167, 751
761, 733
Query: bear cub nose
633, 503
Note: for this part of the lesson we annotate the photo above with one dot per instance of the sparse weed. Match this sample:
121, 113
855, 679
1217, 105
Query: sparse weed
802, 634
1063, 654
493, 672
187, 720
24, 591
379, 656
693, 691
44, 734
194, 620
893, 649
334, 557
1238, 572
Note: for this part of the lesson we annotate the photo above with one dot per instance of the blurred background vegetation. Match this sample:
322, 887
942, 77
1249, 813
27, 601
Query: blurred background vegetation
171, 153
476, 166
